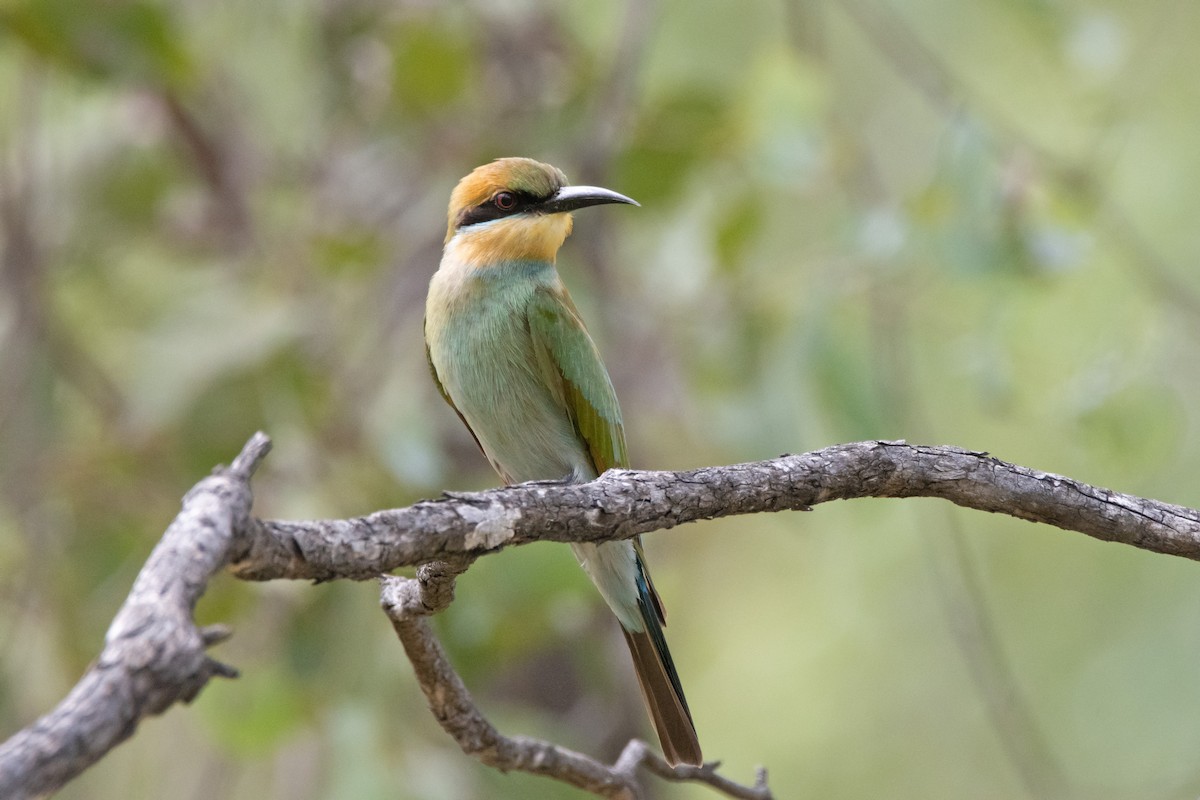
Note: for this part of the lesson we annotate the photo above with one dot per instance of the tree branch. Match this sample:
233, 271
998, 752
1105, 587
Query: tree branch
408, 601
154, 655
623, 503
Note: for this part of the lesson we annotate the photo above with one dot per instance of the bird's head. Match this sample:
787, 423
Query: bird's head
517, 209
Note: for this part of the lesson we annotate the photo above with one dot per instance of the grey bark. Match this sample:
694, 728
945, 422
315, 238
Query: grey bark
154, 654
407, 601
623, 503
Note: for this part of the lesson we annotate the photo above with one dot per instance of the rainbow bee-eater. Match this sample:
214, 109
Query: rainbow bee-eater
510, 354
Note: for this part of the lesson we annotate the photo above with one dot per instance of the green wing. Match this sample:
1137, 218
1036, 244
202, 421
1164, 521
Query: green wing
571, 365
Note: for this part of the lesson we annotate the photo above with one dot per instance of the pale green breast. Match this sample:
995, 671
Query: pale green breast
479, 344
509, 352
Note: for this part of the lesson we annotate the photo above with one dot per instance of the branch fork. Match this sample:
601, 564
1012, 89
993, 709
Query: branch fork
155, 655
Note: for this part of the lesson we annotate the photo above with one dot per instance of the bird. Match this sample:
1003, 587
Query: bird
510, 354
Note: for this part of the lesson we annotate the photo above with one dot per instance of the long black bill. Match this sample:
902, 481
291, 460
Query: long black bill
570, 198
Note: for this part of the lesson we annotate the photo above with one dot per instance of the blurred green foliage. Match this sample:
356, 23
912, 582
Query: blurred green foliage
967, 223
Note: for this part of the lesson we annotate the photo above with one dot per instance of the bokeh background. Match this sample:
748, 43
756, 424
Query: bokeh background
971, 223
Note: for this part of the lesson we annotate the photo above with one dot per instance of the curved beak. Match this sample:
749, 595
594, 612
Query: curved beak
570, 198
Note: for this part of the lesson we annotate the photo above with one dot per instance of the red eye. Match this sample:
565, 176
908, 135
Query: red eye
505, 201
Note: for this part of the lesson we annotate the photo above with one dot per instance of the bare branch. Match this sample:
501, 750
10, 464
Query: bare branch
623, 503
638, 753
408, 601
405, 603
154, 655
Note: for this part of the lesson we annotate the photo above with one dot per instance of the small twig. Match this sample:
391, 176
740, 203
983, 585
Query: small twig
639, 754
253, 452
407, 602
404, 601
